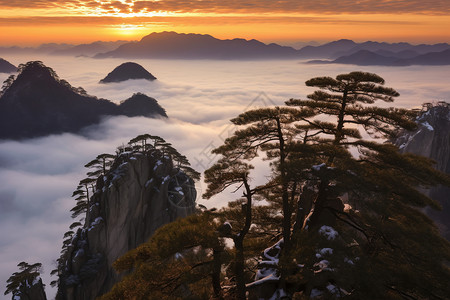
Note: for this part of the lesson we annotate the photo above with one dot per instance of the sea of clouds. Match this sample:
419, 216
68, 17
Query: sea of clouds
37, 176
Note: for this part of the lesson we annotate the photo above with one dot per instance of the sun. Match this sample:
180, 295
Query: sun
130, 30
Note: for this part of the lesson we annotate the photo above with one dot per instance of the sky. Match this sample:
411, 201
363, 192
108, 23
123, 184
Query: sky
24, 22
38, 176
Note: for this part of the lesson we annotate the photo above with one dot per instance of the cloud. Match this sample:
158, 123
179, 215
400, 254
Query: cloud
38, 176
202, 20
439, 7
291, 6
41, 4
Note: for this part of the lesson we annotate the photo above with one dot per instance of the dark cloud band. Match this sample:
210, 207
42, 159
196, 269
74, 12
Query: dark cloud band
432, 7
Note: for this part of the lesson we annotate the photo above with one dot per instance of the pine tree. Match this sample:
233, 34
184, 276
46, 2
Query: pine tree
269, 130
317, 163
223, 174
345, 203
176, 263
83, 197
100, 164
20, 282
381, 187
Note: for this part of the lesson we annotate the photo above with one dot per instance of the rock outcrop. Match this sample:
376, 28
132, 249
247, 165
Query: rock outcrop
38, 103
126, 71
7, 67
35, 291
142, 191
30, 289
432, 139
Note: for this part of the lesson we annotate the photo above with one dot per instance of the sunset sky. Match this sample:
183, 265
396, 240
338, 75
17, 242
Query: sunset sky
25, 22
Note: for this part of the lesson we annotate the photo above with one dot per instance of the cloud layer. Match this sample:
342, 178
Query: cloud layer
37, 176
439, 7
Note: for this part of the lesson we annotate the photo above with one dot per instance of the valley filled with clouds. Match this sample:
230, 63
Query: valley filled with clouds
38, 176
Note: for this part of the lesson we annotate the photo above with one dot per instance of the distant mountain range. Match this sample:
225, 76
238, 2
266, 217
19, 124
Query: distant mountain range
65, 49
195, 46
39, 103
172, 45
403, 58
345, 47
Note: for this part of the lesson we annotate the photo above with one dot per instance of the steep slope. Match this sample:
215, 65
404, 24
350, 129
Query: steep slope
197, 46
142, 191
432, 139
38, 103
7, 67
126, 71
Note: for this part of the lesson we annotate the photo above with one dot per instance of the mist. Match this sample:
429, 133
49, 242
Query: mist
38, 176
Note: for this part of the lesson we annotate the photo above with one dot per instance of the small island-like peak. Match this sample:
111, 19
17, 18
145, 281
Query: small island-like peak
126, 71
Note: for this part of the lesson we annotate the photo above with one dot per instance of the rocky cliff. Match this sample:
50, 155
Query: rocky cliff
33, 291
142, 191
432, 139
26, 284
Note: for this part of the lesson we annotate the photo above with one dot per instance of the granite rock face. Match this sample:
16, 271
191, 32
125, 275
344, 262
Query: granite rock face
31, 291
141, 192
432, 140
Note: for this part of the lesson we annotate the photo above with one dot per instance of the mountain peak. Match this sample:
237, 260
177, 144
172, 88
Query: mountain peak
346, 41
126, 71
142, 105
35, 78
6, 67
36, 69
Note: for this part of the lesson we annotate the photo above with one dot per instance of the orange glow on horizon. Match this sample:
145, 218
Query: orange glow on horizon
33, 26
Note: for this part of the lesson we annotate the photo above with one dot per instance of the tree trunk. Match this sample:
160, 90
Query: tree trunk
287, 212
239, 243
239, 264
217, 265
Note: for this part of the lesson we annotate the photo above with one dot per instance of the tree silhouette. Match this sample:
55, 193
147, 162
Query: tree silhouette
6, 84
100, 164
223, 174
83, 197
20, 282
318, 163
